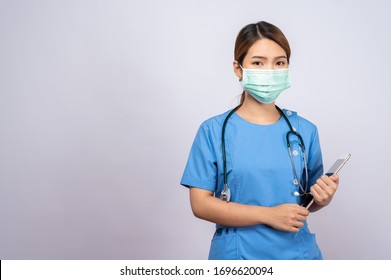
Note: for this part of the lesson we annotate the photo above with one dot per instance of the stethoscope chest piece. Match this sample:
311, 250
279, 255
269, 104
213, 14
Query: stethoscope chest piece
226, 194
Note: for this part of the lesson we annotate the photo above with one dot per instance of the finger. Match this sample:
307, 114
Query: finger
293, 229
321, 197
315, 191
335, 179
327, 187
301, 217
322, 183
319, 191
328, 180
331, 185
298, 224
302, 211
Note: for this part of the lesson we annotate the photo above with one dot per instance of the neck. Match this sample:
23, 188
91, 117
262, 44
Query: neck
256, 112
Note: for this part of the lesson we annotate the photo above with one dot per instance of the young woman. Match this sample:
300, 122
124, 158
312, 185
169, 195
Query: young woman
250, 168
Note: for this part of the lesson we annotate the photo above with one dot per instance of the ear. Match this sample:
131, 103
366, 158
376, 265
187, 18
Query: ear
238, 70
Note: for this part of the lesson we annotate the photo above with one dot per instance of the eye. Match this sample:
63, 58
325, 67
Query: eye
258, 63
280, 63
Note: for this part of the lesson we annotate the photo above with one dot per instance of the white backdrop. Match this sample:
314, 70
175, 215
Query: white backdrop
100, 102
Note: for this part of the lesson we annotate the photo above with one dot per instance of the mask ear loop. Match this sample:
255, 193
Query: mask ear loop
241, 67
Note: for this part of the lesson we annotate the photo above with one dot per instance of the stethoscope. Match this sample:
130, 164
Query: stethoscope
226, 192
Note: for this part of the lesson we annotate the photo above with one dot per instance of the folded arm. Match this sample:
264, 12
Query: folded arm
285, 217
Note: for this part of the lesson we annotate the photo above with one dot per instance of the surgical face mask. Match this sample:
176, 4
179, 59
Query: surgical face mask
265, 85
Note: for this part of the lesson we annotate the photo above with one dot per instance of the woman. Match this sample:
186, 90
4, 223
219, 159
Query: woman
240, 172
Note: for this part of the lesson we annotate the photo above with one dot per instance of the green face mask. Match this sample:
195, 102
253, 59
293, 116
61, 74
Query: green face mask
265, 85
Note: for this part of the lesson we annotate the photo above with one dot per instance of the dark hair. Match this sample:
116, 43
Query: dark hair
254, 32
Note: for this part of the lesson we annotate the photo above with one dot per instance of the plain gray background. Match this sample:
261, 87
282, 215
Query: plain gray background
100, 102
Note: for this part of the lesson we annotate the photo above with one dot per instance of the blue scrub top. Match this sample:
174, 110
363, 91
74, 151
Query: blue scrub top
259, 173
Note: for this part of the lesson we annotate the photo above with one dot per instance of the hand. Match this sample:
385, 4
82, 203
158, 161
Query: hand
324, 189
288, 217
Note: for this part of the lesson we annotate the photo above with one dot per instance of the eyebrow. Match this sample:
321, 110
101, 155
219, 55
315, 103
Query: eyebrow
263, 57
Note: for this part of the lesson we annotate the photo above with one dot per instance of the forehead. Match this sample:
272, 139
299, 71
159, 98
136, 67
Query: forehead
267, 48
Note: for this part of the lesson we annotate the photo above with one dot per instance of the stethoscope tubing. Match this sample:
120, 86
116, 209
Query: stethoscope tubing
225, 194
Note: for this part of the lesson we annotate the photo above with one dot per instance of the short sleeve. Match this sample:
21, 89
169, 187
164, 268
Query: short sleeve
315, 161
201, 167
